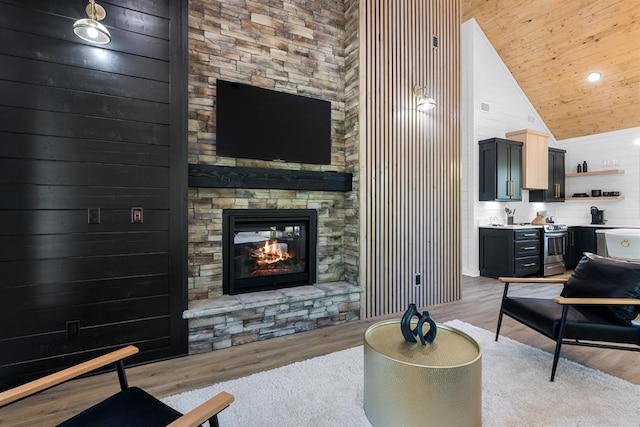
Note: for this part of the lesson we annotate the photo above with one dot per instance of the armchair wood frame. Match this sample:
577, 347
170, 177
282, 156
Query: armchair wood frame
559, 334
207, 411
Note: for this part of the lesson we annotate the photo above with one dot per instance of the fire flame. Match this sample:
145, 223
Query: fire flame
270, 253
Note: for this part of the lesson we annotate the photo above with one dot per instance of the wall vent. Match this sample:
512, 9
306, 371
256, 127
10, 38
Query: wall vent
485, 106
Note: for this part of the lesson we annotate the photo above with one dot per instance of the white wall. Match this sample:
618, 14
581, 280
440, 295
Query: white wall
619, 150
485, 79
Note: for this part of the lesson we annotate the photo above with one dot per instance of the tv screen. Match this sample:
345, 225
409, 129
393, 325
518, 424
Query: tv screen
258, 123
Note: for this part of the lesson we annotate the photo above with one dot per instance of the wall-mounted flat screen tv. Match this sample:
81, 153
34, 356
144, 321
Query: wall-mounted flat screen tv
258, 123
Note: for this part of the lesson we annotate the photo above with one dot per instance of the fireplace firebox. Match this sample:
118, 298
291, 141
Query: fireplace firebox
266, 249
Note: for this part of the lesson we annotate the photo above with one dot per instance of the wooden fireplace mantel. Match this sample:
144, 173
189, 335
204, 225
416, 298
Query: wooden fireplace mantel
281, 179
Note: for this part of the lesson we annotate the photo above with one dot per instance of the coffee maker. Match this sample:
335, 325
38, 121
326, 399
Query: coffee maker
597, 215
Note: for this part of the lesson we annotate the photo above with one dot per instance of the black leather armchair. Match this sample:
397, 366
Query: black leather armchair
596, 308
129, 407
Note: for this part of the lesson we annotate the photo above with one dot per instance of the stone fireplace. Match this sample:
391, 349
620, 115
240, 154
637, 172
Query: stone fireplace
265, 47
283, 219
265, 249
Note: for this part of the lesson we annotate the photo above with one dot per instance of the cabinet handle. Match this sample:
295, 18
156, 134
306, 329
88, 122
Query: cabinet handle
529, 235
531, 264
573, 237
512, 188
557, 191
529, 248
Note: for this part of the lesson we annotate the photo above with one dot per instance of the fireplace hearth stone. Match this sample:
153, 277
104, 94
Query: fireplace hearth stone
232, 320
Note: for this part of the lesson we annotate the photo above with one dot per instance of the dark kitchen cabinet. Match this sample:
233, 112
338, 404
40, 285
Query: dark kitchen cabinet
555, 192
500, 170
579, 240
509, 252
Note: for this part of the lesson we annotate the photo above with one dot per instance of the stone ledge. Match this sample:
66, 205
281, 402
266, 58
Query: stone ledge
231, 303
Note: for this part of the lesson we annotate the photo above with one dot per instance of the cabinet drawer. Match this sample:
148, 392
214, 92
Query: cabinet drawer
529, 234
527, 265
527, 248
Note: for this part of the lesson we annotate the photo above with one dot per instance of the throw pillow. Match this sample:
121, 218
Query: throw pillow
600, 277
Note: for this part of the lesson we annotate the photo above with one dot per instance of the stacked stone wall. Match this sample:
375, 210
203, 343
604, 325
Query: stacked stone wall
292, 46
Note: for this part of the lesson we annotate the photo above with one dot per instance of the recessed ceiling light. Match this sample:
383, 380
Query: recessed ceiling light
594, 76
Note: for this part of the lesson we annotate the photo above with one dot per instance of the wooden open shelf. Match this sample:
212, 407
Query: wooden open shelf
601, 172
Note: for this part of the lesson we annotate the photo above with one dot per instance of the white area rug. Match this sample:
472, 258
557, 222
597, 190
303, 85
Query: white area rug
328, 391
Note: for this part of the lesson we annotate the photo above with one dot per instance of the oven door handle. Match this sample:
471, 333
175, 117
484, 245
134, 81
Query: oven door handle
552, 234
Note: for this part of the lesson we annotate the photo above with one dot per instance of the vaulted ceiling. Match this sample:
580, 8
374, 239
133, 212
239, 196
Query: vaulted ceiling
551, 45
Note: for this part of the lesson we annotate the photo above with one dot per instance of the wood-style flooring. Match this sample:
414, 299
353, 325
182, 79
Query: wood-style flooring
479, 306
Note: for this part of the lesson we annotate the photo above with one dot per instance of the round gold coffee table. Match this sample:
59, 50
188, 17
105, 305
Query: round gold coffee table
408, 384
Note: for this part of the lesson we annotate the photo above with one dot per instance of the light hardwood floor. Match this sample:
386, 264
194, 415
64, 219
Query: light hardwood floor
479, 306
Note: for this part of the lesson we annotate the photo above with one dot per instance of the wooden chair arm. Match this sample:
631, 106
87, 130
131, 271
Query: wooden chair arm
202, 413
59, 377
597, 301
561, 280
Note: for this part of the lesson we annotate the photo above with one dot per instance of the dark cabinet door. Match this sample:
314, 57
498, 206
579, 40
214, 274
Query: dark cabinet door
509, 172
500, 170
558, 173
579, 240
503, 172
496, 253
488, 171
555, 191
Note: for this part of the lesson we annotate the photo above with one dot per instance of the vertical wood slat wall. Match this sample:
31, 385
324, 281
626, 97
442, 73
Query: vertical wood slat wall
410, 159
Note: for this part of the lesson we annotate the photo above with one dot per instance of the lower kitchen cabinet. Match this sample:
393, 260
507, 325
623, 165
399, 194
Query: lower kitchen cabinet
509, 252
579, 240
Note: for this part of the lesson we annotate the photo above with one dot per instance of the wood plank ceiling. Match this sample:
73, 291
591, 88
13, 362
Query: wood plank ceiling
551, 45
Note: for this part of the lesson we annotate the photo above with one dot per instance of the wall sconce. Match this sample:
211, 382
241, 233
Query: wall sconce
90, 29
425, 102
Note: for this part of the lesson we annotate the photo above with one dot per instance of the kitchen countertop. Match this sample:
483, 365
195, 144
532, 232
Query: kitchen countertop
512, 227
606, 225
602, 229
521, 226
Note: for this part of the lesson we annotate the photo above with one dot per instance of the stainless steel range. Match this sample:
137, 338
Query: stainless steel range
554, 239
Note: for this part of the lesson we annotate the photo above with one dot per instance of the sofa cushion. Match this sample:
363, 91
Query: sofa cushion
600, 277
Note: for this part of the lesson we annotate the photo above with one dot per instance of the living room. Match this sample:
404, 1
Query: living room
131, 140
122, 233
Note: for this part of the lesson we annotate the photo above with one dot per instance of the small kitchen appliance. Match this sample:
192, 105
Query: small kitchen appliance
597, 215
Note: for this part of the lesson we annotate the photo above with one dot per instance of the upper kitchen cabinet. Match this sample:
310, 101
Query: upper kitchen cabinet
556, 190
534, 157
500, 170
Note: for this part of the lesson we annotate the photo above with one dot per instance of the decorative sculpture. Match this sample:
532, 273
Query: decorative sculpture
411, 334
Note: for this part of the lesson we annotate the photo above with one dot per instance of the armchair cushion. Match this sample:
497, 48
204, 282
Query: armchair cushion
600, 277
128, 408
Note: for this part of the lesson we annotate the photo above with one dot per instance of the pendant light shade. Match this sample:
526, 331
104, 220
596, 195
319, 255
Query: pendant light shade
90, 29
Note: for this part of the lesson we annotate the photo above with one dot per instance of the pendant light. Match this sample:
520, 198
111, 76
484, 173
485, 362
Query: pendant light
90, 29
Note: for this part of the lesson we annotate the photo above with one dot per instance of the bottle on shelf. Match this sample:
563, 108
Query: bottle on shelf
584, 166
579, 168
